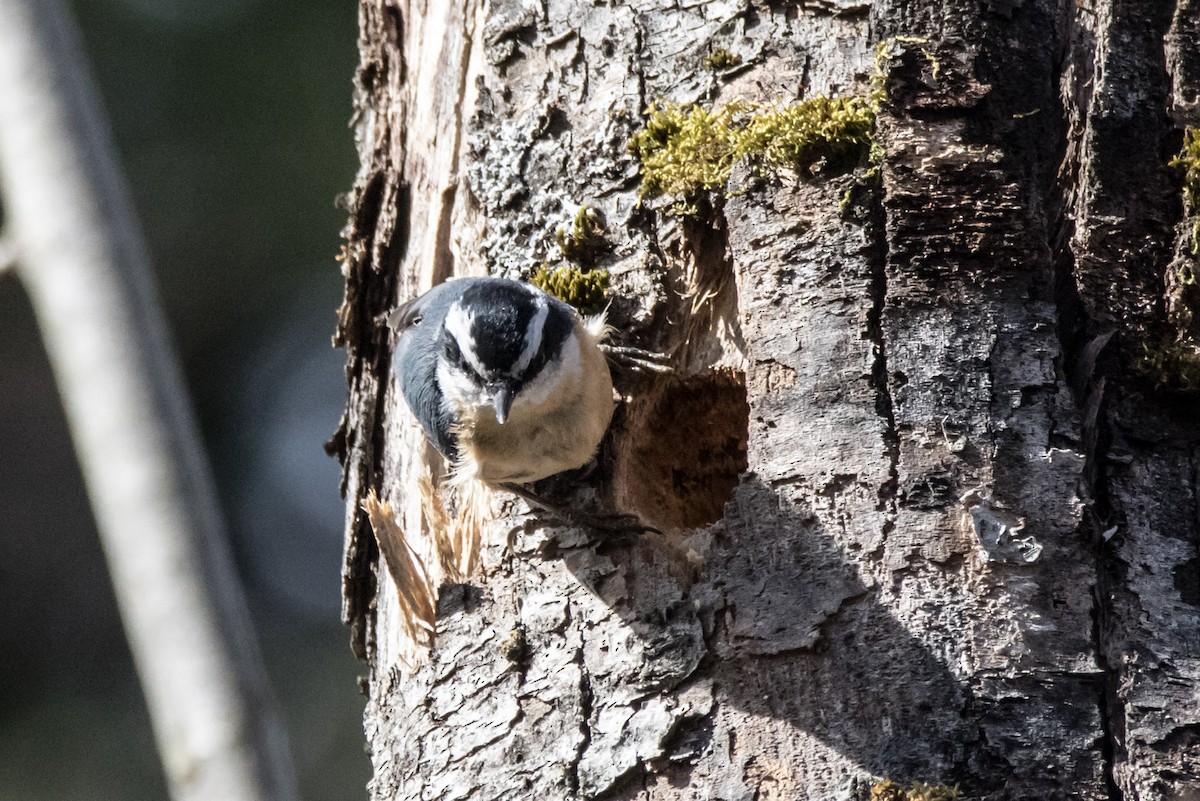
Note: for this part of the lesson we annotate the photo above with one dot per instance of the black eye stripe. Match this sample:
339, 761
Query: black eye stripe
454, 355
536, 364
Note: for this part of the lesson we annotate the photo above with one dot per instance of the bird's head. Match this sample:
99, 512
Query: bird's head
498, 339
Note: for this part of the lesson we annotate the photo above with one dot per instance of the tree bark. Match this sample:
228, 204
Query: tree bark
928, 514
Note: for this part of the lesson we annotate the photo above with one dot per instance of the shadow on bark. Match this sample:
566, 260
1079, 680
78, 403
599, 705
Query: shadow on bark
799, 614
779, 620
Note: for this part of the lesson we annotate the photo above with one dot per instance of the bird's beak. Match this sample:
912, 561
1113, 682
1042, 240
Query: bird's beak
502, 401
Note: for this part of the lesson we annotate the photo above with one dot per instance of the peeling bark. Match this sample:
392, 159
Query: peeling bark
925, 517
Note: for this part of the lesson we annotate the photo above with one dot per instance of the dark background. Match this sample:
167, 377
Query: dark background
231, 121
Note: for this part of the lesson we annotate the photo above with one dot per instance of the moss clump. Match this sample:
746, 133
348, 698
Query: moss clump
836, 130
688, 150
888, 790
583, 241
1174, 366
891, 49
885, 51
515, 647
586, 290
722, 59
1189, 160
1182, 294
685, 150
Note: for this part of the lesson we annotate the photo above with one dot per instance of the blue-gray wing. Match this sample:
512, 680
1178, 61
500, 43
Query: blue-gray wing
418, 324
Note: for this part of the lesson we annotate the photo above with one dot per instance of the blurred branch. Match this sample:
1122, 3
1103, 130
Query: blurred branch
8, 253
85, 267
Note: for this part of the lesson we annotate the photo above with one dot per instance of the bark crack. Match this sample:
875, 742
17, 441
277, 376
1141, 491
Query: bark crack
1090, 384
1094, 486
1082, 341
879, 367
1109, 704
1194, 464
586, 701
489, 741
443, 257
639, 39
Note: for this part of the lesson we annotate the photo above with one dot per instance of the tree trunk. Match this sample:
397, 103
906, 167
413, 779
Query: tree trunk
927, 479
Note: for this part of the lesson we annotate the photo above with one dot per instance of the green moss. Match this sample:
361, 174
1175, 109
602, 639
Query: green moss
515, 648
688, 150
586, 290
1189, 160
888, 790
583, 241
1186, 275
1176, 365
888, 50
1173, 366
722, 59
836, 130
885, 51
685, 150
572, 277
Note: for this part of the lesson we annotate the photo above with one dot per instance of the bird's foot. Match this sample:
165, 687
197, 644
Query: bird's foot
638, 360
610, 523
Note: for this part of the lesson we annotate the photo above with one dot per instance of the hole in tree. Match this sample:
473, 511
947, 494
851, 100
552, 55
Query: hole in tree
681, 450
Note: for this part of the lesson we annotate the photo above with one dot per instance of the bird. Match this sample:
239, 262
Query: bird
508, 382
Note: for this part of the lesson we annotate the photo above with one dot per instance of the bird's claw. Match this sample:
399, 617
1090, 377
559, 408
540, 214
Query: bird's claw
638, 360
610, 523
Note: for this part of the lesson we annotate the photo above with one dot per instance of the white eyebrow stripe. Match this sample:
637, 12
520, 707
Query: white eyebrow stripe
533, 336
458, 323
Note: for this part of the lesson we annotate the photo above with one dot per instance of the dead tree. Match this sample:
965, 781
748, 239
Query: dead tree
927, 463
